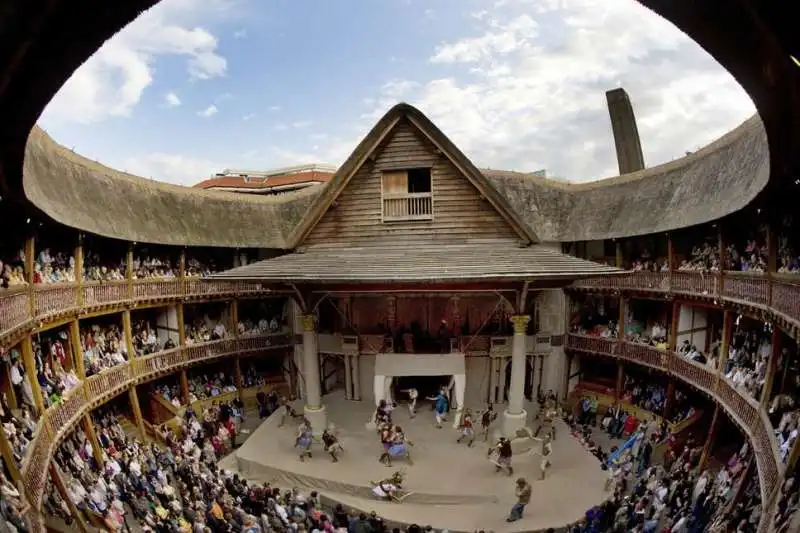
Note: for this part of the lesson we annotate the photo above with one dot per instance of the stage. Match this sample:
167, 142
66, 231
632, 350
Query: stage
453, 486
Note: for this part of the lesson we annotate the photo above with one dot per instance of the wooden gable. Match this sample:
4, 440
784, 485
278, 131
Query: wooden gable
458, 212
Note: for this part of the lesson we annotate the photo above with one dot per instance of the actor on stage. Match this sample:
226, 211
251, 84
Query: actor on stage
287, 411
332, 444
413, 394
487, 417
500, 455
383, 415
395, 445
467, 433
441, 406
304, 439
523, 492
387, 489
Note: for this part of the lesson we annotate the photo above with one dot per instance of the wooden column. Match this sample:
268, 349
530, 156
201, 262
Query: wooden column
127, 330
79, 268
61, 487
237, 367
772, 366
129, 269
235, 317
181, 326
622, 307
712, 432
723, 259
77, 348
567, 373
136, 409
675, 321
8, 457
11, 394
618, 249
184, 386
620, 381
31, 374
669, 400
91, 434
182, 264
738, 490
791, 460
29, 262
670, 258
727, 326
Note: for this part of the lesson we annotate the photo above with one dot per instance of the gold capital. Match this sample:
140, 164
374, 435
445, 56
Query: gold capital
308, 322
520, 324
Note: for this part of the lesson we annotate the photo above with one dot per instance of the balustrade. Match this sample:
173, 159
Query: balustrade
54, 299
744, 409
105, 292
15, 309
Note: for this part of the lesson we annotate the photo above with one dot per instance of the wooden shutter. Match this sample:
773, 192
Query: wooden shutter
395, 183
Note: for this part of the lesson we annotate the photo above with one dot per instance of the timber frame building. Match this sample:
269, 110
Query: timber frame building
409, 261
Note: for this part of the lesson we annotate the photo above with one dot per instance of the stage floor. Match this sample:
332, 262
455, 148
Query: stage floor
454, 487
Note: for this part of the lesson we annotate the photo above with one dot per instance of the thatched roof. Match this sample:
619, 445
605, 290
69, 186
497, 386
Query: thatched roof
713, 182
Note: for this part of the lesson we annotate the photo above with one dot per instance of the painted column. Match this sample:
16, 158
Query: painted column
515, 416
314, 410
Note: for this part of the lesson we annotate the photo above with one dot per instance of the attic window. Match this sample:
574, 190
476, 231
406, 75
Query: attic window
407, 195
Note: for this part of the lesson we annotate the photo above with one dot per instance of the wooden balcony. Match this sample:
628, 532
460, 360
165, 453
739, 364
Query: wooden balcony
408, 206
60, 419
26, 307
741, 408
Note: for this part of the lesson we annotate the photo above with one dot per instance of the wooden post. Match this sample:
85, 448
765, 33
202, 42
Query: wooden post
91, 434
723, 259
133, 397
738, 490
11, 394
727, 325
710, 438
772, 365
182, 264
181, 326
791, 460
29, 262
670, 259
237, 367
129, 269
618, 254
184, 386
8, 457
61, 487
235, 317
669, 401
620, 381
32, 374
674, 325
567, 373
127, 330
77, 348
79, 269
622, 305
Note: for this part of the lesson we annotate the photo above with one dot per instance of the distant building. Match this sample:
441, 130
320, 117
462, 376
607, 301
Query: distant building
269, 182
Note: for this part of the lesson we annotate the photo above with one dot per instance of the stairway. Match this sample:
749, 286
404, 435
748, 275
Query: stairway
130, 429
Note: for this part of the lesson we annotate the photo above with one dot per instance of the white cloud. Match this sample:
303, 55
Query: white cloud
301, 124
171, 168
249, 116
526, 90
172, 100
240, 34
274, 108
112, 81
209, 111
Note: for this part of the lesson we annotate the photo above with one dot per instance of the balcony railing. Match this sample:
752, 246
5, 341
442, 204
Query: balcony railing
24, 306
409, 206
744, 410
59, 419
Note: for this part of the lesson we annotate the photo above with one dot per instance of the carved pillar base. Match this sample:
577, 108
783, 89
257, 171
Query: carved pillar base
318, 417
512, 422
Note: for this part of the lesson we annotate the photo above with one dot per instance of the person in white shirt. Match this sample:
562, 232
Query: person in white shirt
413, 394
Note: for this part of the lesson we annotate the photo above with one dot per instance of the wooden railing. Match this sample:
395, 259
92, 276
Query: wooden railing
409, 206
744, 410
59, 419
30, 305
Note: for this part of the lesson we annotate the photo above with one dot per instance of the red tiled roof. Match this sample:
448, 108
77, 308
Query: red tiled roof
264, 183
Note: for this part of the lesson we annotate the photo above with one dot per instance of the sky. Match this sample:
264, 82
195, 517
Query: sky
195, 86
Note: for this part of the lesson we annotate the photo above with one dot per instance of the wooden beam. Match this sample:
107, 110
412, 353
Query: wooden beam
712, 432
723, 255
422, 288
182, 264
184, 386
136, 409
8, 457
235, 316
79, 268
127, 330
61, 487
31, 373
237, 367
621, 326
77, 348
674, 324
181, 326
772, 366
727, 327
91, 434
669, 401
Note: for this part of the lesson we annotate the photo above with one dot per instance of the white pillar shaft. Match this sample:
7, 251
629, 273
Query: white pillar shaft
519, 362
311, 364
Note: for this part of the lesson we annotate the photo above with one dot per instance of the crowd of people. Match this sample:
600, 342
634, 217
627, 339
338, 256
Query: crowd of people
204, 331
103, 347
748, 357
19, 429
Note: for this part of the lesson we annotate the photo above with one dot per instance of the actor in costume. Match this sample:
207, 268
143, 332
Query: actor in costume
288, 411
395, 445
387, 489
487, 418
467, 433
441, 406
383, 414
332, 444
304, 439
500, 455
413, 394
